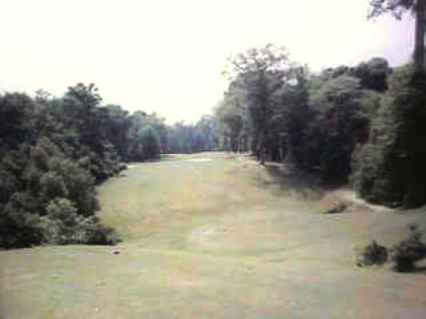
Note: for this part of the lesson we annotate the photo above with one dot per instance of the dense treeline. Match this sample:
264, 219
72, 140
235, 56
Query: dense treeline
53, 151
364, 123
361, 124
184, 138
280, 111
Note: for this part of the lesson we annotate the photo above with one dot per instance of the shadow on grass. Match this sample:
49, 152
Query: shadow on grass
418, 270
289, 178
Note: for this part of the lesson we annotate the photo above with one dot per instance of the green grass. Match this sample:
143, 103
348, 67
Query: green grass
224, 238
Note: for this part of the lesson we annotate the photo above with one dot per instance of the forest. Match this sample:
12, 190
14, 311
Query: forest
359, 125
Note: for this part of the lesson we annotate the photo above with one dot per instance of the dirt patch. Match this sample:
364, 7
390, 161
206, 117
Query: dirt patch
351, 201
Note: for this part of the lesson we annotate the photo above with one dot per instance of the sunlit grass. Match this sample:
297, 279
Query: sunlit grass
224, 238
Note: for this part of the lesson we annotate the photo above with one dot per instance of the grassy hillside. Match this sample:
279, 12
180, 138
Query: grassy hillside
213, 236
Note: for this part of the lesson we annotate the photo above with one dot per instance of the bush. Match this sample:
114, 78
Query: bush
372, 254
103, 235
409, 251
62, 225
336, 209
18, 226
79, 184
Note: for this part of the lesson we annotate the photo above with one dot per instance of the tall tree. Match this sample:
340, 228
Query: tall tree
259, 74
397, 8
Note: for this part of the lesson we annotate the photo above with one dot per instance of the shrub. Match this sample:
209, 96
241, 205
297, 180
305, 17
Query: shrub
52, 152
79, 184
336, 209
409, 251
372, 254
18, 226
63, 225
103, 235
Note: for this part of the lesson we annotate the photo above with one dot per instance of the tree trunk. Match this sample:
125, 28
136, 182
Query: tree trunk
289, 159
262, 155
280, 149
419, 50
261, 149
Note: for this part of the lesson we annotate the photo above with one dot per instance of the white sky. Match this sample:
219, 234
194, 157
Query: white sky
167, 55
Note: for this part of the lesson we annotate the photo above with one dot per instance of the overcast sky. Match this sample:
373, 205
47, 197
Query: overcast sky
167, 55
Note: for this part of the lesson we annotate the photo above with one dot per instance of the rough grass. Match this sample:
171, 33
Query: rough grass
224, 238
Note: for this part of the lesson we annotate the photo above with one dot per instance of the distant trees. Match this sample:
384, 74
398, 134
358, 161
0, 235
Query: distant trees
191, 138
146, 136
230, 115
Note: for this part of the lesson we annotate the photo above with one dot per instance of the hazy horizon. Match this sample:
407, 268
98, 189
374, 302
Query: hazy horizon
167, 56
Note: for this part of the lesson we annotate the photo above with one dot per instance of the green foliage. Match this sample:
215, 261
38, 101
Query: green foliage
53, 151
18, 227
190, 138
52, 186
373, 74
339, 113
231, 115
261, 80
63, 225
8, 185
390, 168
150, 142
285, 113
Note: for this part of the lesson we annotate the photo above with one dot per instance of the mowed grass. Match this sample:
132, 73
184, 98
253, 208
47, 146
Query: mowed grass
159, 204
215, 236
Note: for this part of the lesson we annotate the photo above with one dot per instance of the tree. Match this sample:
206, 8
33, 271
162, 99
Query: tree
150, 143
256, 76
340, 118
373, 74
230, 114
390, 168
52, 148
116, 125
207, 127
397, 9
